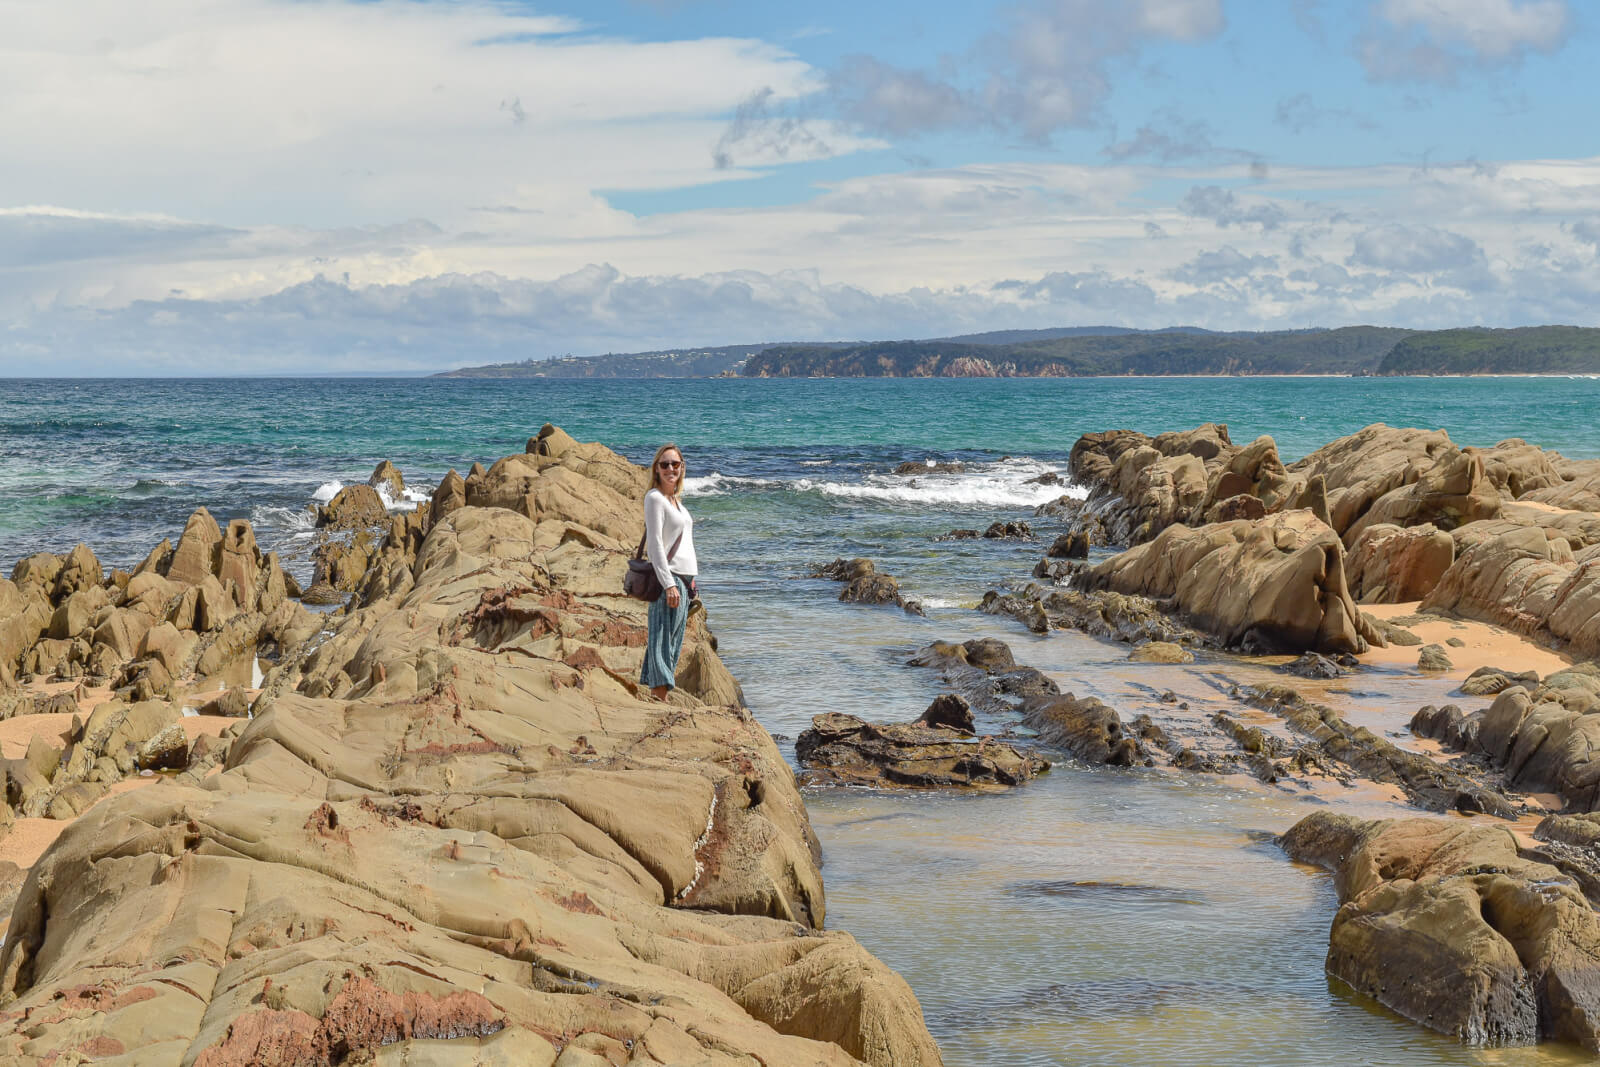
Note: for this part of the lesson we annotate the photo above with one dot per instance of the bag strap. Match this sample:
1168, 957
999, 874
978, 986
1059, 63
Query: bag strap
638, 553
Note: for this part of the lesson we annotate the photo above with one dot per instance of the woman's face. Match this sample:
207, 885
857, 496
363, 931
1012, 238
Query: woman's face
669, 469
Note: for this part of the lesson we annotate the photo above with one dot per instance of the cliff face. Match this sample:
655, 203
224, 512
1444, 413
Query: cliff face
458, 830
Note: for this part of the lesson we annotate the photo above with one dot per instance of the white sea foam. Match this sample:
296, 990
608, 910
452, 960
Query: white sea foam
327, 491
1002, 484
408, 500
816, 463
295, 524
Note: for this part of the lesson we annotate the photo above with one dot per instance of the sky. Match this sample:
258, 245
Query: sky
293, 186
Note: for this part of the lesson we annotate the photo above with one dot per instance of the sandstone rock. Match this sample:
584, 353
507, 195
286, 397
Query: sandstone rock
232, 703
1276, 585
1433, 658
1452, 492
24, 615
150, 594
1089, 729
1387, 564
865, 584
77, 610
1445, 923
1523, 580
1359, 469
198, 551
1074, 545
1100, 613
1487, 681
166, 644
388, 475
494, 838
1517, 468
353, 507
1161, 652
1009, 531
157, 562
79, 571
39, 570
450, 495
848, 750
950, 711
240, 562
1313, 665
1579, 489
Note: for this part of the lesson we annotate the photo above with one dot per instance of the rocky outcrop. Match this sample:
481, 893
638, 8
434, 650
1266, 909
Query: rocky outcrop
1272, 585
1388, 564
1527, 579
1087, 728
847, 750
1449, 925
458, 829
865, 584
1099, 613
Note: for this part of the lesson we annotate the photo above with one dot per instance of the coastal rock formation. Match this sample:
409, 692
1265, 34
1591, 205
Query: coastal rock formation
1543, 738
865, 584
1449, 925
1101, 613
1272, 585
1527, 579
848, 750
1089, 729
1388, 564
458, 831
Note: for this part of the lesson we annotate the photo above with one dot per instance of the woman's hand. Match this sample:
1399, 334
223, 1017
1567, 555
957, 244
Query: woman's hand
674, 597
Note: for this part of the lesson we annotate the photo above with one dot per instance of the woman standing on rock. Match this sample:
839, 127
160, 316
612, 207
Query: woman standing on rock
669, 545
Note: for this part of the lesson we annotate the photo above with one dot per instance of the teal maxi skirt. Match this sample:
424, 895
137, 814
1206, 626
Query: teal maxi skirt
666, 638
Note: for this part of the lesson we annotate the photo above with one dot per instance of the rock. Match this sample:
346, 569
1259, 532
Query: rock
387, 475
1089, 729
198, 551
929, 467
1017, 531
1312, 665
80, 571
1448, 725
1445, 923
1073, 545
958, 535
1133, 619
169, 646
989, 654
449, 496
494, 798
353, 507
864, 584
1390, 565
77, 611
39, 570
1487, 681
1161, 652
232, 703
1047, 478
844, 749
1359, 469
1526, 579
1394, 635
949, 710
1427, 784
1433, 658
1452, 492
1056, 571
239, 562
1275, 585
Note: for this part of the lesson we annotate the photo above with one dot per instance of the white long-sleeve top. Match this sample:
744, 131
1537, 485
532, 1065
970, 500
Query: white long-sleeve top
664, 520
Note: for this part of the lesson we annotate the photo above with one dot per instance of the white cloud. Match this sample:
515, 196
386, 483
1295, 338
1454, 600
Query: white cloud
337, 112
1048, 68
1434, 40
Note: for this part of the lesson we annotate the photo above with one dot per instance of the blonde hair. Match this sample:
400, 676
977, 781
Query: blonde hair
655, 468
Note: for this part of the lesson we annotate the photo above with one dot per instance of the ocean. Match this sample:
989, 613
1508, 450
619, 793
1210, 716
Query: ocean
1094, 916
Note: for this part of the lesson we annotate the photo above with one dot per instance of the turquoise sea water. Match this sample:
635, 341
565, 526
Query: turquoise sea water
1214, 951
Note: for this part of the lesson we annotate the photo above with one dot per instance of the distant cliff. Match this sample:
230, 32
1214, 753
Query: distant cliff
1348, 350
675, 363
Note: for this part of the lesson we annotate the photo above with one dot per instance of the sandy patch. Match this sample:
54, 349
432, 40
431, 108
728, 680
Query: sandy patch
1483, 645
16, 733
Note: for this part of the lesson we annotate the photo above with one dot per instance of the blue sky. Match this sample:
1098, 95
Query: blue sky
196, 186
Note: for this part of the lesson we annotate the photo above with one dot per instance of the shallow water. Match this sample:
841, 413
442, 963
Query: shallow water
1094, 916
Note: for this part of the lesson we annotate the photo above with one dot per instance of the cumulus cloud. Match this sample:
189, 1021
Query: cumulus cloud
1048, 69
1447, 257
1225, 264
1435, 40
1225, 208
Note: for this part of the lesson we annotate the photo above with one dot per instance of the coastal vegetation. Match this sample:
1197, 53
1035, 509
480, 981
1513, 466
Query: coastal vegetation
1070, 352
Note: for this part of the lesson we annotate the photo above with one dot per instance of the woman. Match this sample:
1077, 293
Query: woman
669, 545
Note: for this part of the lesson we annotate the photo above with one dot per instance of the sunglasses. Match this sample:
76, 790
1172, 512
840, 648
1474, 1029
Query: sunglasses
668, 463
